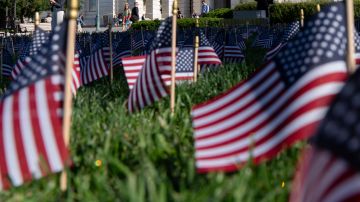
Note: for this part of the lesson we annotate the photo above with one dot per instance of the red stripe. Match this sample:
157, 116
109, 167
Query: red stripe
21, 156
3, 164
56, 122
44, 160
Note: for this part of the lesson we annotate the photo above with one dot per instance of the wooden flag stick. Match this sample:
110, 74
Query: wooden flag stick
318, 8
350, 60
111, 54
196, 50
70, 50
173, 57
302, 17
37, 19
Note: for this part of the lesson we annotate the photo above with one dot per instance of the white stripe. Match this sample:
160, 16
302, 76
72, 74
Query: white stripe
27, 133
133, 61
301, 121
246, 86
350, 187
315, 93
47, 131
11, 154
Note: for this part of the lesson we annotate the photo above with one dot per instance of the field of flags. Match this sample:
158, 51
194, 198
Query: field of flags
271, 117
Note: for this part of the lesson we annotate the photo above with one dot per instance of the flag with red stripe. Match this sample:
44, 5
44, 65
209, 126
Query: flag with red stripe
329, 170
150, 86
31, 141
279, 104
97, 65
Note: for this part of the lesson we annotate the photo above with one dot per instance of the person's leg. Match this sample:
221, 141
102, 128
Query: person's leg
53, 20
60, 17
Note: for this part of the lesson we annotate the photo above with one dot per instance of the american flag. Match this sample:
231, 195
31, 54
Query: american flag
97, 64
150, 86
122, 50
76, 81
291, 30
329, 171
7, 63
31, 141
233, 52
40, 38
184, 67
137, 41
264, 39
357, 49
207, 54
218, 43
324, 176
279, 104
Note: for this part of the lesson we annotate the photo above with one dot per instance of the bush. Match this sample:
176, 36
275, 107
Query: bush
182, 23
220, 13
289, 12
245, 6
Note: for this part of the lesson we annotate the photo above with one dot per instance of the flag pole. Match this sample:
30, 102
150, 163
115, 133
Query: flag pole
1, 59
111, 54
196, 50
37, 19
302, 17
350, 60
318, 8
173, 57
70, 49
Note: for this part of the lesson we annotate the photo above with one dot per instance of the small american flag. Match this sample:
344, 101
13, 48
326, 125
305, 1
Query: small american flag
40, 38
233, 52
150, 86
184, 67
264, 39
97, 64
137, 41
291, 30
31, 141
122, 50
218, 43
279, 104
7, 63
207, 54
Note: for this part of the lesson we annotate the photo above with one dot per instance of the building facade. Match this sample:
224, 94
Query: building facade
151, 9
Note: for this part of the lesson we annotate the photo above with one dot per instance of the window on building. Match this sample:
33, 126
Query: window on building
92, 5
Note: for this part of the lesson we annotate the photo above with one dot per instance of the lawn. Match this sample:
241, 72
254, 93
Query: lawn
149, 156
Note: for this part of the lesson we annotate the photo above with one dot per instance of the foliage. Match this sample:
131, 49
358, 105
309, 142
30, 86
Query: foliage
149, 156
245, 6
182, 23
220, 13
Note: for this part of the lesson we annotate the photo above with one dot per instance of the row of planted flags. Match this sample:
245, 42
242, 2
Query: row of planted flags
302, 91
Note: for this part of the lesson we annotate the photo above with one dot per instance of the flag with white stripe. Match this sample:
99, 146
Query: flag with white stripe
279, 104
150, 86
31, 141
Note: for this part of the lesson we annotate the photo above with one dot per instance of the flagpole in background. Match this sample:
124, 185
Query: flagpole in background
302, 17
350, 60
318, 8
173, 57
70, 50
37, 20
142, 37
111, 54
196, 50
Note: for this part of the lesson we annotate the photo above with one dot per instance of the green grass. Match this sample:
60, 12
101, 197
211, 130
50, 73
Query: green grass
149, 156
